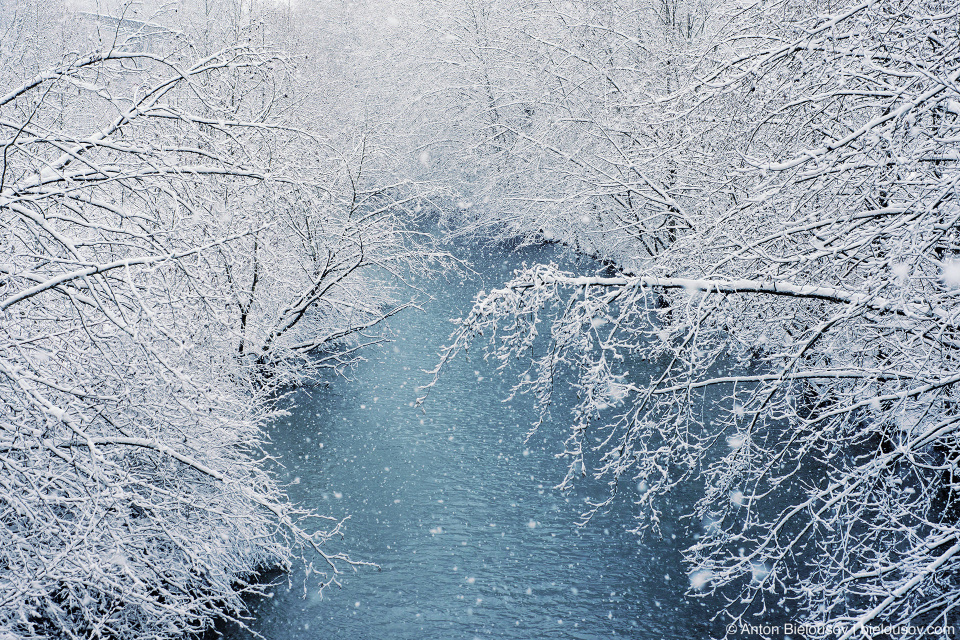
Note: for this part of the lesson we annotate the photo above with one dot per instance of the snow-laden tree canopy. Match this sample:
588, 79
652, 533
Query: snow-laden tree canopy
775, 185
174, 246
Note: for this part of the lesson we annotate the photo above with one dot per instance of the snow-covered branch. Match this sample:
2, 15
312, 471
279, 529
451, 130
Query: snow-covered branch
162, 217
773, 191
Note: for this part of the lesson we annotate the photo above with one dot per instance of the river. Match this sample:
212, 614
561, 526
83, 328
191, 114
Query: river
460, 513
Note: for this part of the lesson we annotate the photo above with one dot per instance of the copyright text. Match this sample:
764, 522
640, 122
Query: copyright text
821, 630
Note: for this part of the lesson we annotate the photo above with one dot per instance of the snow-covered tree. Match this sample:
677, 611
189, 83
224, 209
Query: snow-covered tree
810, 294
172, 249
567, 119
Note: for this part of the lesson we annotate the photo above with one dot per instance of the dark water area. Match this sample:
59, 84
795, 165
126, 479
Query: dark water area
458, 510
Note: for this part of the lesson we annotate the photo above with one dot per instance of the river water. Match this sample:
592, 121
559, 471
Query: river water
460, 513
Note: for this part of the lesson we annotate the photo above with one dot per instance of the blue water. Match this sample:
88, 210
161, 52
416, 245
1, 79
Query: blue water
460, 513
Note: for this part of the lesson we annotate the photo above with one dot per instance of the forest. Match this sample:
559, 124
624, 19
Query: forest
206, 203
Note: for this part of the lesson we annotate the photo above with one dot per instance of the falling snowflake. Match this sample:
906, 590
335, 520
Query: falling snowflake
700, 579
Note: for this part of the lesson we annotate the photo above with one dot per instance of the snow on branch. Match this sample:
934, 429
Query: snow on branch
829, 294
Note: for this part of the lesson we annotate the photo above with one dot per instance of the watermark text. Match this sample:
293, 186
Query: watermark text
826, 630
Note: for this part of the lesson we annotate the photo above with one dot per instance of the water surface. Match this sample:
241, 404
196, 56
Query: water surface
458, 510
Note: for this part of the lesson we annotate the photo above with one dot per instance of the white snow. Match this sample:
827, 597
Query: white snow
951, 273
700, 579
759, 572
